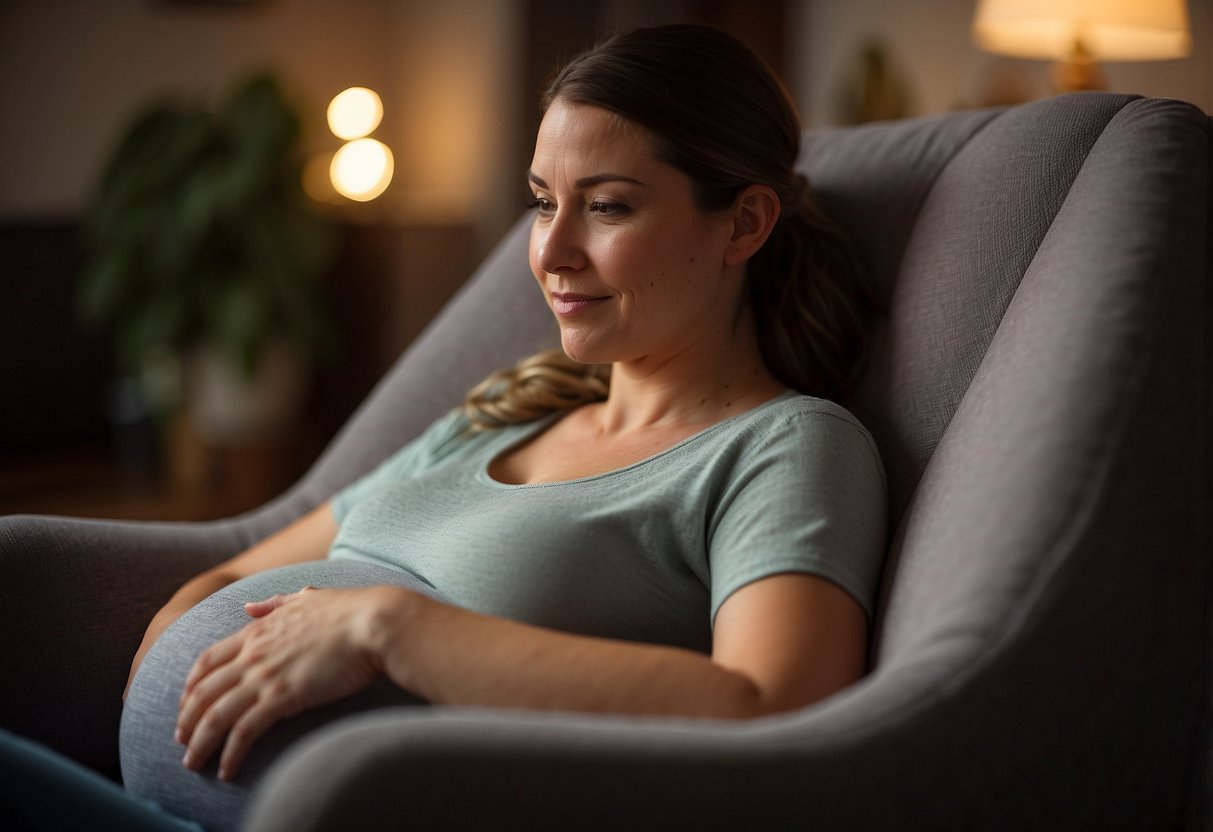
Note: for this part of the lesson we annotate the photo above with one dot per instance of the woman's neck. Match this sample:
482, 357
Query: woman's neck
700, 385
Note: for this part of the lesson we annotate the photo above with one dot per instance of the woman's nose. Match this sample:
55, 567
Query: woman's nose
560, 246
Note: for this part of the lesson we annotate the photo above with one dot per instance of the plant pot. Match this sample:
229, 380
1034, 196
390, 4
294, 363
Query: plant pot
229, 407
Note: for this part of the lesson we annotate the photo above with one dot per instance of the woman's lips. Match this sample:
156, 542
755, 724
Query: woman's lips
569, 303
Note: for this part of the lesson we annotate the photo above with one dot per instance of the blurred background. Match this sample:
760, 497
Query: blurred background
190, 307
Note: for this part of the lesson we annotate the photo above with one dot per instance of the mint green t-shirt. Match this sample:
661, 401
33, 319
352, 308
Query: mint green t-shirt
647, 552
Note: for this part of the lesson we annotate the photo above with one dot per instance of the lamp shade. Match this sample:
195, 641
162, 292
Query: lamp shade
1104, 30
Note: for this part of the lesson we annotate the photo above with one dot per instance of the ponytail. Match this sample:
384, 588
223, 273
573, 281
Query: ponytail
549, 382
811, 308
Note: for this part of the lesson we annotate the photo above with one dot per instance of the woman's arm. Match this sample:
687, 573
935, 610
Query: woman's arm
308, 538
779, 643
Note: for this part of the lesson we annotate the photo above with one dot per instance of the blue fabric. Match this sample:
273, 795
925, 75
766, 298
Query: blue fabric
43, 790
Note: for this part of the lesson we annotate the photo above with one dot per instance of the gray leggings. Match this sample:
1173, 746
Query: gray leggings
151, 760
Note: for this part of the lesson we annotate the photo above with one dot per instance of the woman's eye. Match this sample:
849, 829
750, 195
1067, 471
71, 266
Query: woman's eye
608, 209
605, 209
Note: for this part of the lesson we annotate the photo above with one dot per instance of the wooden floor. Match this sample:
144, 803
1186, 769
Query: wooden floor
209, 484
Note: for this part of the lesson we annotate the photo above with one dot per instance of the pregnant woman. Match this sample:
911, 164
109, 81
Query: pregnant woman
668, 516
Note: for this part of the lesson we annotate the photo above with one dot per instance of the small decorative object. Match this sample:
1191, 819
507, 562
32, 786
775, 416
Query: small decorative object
200, 241
874, 91
1078, 34
998, 84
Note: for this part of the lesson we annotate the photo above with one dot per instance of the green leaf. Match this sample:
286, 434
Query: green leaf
199, 230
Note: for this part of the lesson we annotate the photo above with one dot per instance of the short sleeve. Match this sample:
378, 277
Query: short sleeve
417, 456
810, 498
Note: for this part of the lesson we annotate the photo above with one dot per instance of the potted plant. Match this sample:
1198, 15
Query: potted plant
201, 245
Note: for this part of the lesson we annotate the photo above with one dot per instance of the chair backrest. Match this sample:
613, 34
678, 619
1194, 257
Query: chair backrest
1041, 266
1040, 394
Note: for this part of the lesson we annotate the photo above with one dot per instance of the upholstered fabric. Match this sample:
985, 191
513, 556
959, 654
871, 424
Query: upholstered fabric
1039, 392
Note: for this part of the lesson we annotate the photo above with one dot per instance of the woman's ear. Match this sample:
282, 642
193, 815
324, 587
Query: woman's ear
754, 216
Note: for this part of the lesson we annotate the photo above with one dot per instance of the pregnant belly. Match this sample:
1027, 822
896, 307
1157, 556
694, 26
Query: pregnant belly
151, 760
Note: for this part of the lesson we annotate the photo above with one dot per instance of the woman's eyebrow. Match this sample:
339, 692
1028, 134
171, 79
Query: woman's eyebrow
588, 181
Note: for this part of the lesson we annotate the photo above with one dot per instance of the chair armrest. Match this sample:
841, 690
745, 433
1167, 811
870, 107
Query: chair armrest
520, 770
75, 599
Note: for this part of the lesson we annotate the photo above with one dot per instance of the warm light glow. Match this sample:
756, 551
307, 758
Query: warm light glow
317, 182
355, 113
362, 169
1100, 30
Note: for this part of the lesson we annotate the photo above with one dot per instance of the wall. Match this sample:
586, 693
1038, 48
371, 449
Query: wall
930, 52
72, 74
457, 69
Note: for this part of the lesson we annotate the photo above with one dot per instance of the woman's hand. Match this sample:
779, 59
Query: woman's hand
302, 650
308, 538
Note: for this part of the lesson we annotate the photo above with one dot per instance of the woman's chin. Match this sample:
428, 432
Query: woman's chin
585, 352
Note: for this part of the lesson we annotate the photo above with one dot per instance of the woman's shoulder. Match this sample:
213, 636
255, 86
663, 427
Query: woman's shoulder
445, 436
792, 413
794, 426
436, 440
455, 433
793, 403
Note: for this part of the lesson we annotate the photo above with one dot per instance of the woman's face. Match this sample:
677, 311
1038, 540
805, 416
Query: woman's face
630, 266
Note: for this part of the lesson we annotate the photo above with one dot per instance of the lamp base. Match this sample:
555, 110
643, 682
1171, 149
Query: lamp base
1079, 71
1077, 75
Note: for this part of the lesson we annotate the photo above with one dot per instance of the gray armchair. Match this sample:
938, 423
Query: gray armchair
1039, 390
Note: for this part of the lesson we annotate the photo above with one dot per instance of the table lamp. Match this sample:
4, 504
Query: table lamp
1078, 34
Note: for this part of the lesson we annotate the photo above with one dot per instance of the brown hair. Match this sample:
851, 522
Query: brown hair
719, 115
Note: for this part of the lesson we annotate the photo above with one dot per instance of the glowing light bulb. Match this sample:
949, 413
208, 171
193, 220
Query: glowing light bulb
354, 113
362, 169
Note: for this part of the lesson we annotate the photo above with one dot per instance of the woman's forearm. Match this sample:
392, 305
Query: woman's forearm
305, 649
449, 655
